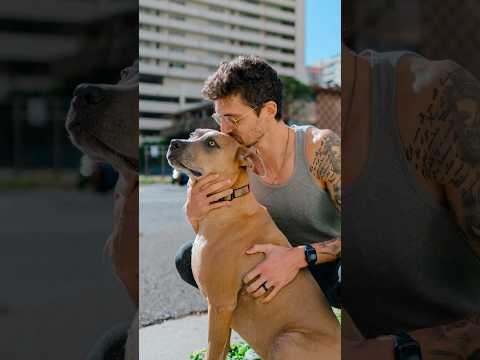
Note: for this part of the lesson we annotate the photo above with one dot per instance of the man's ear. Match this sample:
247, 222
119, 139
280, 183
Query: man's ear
248, 157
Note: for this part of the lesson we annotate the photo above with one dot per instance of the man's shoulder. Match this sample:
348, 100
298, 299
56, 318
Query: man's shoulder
319, 139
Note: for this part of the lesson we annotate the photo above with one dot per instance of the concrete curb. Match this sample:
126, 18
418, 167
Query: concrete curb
176, 339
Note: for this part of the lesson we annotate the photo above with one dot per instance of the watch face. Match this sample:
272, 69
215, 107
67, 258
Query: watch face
312, 257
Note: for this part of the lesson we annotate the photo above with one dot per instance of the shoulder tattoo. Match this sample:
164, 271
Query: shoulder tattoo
326, 165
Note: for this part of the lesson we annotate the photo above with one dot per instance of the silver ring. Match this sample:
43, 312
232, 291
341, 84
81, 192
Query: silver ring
264, 286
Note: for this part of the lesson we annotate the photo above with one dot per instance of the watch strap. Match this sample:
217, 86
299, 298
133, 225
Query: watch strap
310, 254
406, 347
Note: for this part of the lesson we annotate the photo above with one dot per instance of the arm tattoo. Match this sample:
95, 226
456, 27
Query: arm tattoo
446, 146
326, 166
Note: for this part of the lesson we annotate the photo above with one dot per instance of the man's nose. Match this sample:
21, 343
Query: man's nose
226, 127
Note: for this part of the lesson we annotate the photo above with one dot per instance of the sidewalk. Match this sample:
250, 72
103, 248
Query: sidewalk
176, 339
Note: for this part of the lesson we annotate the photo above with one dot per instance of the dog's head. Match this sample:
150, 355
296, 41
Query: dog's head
103, 121
209, 151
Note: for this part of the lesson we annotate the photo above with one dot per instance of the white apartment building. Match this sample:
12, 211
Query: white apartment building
183, 41
325, 73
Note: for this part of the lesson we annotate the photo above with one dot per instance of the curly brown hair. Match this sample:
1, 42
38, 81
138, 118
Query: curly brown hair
251, 77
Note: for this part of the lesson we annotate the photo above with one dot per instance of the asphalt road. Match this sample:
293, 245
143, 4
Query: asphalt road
58, 294
163, 229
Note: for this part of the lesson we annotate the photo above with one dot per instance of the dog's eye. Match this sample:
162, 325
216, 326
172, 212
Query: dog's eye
211, 143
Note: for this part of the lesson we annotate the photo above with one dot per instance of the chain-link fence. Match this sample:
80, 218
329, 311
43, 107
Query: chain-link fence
328, 105
451, 30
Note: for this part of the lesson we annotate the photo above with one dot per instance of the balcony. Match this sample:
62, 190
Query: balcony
210, 15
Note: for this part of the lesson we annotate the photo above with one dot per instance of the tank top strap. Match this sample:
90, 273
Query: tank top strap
301, 163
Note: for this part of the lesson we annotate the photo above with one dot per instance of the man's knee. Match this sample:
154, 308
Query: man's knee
183, 263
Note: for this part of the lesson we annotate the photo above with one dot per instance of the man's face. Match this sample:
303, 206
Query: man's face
249, 127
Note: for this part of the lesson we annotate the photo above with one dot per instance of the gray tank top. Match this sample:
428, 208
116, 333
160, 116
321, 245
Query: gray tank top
301, 209
407, 264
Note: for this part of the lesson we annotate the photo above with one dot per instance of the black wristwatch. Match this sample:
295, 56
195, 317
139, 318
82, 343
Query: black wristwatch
310, 254
406, 347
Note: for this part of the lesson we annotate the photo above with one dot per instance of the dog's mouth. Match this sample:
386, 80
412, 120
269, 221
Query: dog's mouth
182, 167
131, 163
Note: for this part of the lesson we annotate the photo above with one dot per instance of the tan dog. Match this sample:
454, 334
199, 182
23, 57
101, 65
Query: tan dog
103, 123
298, 323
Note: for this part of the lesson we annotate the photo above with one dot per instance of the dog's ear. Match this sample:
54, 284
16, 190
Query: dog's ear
248, 157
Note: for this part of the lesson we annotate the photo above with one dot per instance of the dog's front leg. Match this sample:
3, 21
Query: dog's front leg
219, 321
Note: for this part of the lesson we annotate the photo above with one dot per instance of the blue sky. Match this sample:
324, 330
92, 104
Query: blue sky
322, 29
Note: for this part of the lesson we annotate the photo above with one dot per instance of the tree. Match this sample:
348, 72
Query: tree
295, 94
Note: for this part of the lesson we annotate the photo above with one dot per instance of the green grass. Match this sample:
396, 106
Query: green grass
239, 351
151, 179
338, 314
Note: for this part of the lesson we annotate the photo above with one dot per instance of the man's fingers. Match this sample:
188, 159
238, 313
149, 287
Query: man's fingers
220, 195
218, 205
272, 294
252, 274
213, 187
263, 248
203, 180
256, 285
260, 291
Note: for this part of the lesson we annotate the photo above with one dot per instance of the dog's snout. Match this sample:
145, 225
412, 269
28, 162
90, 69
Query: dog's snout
89, 93
176, 144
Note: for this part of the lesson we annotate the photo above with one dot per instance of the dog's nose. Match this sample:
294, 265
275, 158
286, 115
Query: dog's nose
90, 94
176, 144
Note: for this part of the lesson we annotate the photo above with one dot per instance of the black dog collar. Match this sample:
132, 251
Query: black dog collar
241, 191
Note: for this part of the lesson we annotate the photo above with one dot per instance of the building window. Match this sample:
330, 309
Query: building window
176, 65
169, 99
177, 49
150, 78
177, 33
189, 100
177, 17
216, 9
248, 15
288, 37
154, 115
216, 39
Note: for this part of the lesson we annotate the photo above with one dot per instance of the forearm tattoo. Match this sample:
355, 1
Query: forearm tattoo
446, 146
326, 166
332, 248
458, 340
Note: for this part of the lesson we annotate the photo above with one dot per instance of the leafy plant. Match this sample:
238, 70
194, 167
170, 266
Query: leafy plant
238, 351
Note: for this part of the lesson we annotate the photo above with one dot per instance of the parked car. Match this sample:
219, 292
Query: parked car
179, 177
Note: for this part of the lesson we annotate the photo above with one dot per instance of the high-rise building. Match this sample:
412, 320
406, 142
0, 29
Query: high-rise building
325, 73
182, 42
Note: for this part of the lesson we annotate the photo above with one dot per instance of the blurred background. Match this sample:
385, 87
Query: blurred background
58, 294
437, 30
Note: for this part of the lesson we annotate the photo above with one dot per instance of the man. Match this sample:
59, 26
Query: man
298, 182
411, 145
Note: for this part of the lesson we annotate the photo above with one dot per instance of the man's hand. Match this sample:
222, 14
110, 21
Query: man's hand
279, 268
201, 196
458, 340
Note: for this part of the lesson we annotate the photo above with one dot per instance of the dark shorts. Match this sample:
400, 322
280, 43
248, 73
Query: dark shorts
326, 275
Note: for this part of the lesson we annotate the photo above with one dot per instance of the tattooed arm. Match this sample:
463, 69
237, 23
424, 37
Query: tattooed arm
446, 147
325, 166
326, 163
446, 151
